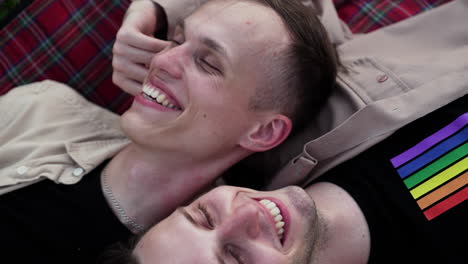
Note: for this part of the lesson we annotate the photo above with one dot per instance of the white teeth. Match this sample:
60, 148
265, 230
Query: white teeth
271, 205
276, 213
155, 93
279, 224
280, 231
278, 218
160, 98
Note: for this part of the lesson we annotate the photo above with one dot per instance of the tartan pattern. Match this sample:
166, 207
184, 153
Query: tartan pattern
364, 16
69, 41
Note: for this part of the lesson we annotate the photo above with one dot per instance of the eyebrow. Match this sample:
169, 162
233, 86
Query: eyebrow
189, 218
209, 42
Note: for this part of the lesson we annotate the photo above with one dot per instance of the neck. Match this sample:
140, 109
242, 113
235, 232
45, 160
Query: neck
148, 186
346, 238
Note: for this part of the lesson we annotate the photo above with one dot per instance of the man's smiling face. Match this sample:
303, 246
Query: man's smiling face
197, 94
235, 226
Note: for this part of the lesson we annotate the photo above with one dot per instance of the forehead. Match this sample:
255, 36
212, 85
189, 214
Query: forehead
244, 25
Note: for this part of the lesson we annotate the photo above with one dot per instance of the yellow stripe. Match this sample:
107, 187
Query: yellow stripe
443, 191
440, 178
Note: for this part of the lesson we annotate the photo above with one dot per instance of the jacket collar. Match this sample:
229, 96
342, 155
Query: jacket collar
90, 154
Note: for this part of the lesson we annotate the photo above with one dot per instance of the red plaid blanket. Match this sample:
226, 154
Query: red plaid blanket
67, 41
71, 41
363, 16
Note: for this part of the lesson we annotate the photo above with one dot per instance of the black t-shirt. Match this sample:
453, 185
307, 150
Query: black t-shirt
412, 188
54, 223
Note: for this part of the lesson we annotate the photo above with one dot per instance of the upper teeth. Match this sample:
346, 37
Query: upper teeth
276, 213
158, 96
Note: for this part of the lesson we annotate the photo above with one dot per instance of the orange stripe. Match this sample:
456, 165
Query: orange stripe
452, 201
443, 191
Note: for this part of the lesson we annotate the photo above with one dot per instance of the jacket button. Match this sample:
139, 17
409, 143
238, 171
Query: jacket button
382, 78
22, 170
78, 171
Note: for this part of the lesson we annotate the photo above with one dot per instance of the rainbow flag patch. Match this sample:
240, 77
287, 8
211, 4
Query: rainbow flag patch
435, 170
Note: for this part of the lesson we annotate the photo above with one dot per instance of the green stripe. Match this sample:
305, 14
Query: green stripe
436, 166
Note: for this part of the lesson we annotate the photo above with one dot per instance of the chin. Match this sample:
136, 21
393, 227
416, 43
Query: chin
131, 124
145, 135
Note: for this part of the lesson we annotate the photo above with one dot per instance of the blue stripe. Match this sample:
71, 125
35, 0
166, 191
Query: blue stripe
434, 153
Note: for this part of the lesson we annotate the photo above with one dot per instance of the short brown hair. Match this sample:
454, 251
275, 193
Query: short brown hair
307, 74
306, 70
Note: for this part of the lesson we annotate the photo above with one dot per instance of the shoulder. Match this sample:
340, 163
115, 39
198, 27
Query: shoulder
46, 102
43, 88
40, 94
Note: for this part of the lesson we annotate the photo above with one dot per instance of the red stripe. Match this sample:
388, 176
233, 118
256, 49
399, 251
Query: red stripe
447, 204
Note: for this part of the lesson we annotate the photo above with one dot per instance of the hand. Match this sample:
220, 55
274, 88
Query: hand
135, 45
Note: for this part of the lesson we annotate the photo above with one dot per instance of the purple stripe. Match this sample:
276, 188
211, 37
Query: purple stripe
427, 143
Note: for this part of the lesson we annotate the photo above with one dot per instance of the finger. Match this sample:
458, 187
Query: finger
127, 85
141, 41
130, 70
133, 54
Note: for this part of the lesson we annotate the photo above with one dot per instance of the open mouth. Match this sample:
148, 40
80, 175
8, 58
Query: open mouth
278, 218
158, 96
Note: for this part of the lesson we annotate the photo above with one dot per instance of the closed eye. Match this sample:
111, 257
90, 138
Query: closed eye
235, 253
206, 66
207, 216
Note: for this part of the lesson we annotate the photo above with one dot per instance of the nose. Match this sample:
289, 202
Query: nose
243, 222
170, 61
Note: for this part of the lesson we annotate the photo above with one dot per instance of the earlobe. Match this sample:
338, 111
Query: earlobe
268, 135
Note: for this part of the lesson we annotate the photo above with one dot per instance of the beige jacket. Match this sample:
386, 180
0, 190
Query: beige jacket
396, 75
49, 131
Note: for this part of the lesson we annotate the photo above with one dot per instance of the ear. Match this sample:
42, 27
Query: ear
268, 134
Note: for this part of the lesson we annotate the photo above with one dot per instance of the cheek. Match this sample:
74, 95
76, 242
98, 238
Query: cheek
223, 124
218, 104
217, 112
211, 93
